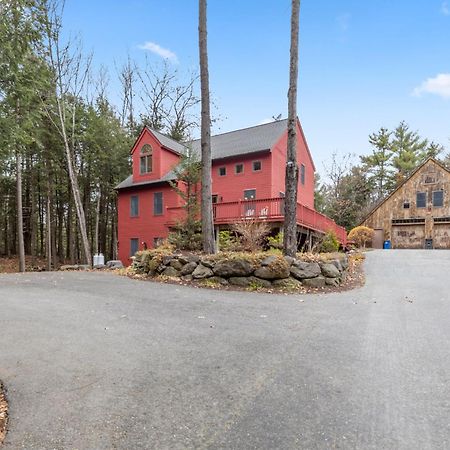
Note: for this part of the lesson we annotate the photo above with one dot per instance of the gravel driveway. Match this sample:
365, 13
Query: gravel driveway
97, 361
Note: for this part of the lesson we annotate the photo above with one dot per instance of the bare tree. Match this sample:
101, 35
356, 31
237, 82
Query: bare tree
290, 208
180, 120
155, 94
127, 77
70, 72
206, 205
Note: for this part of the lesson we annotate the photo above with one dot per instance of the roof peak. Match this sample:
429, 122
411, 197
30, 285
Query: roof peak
245, 128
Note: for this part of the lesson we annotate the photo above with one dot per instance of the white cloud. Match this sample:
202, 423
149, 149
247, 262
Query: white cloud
439, 85
160, 51
445, 9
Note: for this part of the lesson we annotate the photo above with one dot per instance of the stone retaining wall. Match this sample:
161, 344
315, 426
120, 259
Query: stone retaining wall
242, 270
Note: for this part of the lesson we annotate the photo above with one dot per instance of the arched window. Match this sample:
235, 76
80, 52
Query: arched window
146, 159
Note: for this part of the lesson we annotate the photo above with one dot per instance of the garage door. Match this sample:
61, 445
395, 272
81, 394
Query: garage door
441, 235
408, 236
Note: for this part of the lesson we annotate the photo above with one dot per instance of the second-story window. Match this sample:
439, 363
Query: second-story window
302, 173
222, 171
438, 198
421, 200
256, 166
134, 206
239, 168
146, 161
158, 203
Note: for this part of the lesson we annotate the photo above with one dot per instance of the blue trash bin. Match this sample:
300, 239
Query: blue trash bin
387, 245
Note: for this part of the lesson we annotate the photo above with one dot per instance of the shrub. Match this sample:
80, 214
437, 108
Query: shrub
187, 236
228, 241
251, 233
329, 243
361, 235
276, 241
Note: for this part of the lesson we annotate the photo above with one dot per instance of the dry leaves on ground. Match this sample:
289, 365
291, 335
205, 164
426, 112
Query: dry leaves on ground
3, 414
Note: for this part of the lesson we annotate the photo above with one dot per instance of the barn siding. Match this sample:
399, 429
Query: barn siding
431, 176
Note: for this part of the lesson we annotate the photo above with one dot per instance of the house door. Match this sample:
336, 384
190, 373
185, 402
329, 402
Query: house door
249, 205
378, 238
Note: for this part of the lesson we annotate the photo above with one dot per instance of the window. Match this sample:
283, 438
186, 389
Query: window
249, 194
302, 174
256, 166
421, 200
413, 220
134, 246
249, 207
146, 161
406, 205
239, 168
158, 203
429, 179
438, 198
134, 206
222, 171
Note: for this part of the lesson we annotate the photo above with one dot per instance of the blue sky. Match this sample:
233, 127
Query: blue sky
363, 65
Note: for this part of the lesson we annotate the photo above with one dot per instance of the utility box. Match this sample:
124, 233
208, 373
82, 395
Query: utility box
99, 259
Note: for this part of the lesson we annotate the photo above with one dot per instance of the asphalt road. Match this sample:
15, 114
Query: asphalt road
97, 361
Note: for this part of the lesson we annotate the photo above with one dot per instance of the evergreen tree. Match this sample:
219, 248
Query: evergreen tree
378, 163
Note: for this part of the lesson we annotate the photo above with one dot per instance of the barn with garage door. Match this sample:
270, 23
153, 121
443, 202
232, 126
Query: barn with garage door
417, 213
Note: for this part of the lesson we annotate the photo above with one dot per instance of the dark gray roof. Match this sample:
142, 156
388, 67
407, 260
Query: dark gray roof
128, 182
168, 142
247, 140
225, 145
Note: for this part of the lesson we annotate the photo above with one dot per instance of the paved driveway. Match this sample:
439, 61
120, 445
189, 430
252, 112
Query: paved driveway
96, 361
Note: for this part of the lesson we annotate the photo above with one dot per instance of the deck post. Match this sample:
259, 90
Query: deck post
217, 231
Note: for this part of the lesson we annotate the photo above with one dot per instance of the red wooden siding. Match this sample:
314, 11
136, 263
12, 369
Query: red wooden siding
231, 186
146, 226
163, 160
306, 191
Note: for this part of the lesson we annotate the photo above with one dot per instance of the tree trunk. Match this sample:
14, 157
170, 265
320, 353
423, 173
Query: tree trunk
49, 227
97, 223
76, 196
206, 203
21, 245
290, 208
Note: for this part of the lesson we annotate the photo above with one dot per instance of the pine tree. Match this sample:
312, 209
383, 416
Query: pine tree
377, 164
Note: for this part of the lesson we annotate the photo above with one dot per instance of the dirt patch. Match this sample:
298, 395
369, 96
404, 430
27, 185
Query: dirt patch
3, 413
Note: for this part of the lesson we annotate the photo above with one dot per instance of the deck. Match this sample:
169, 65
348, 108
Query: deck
268, 209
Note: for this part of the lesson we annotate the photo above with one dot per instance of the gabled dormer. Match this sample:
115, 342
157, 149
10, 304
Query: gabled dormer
154, 155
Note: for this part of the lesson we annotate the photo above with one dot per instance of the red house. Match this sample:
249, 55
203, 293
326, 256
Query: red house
248, 171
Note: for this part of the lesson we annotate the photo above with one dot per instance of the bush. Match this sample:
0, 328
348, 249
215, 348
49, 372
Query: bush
228, 241
361, 235
276, 241
329, 243
252, 233
187, 236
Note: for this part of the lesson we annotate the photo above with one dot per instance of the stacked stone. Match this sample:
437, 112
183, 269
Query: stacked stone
272, 271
